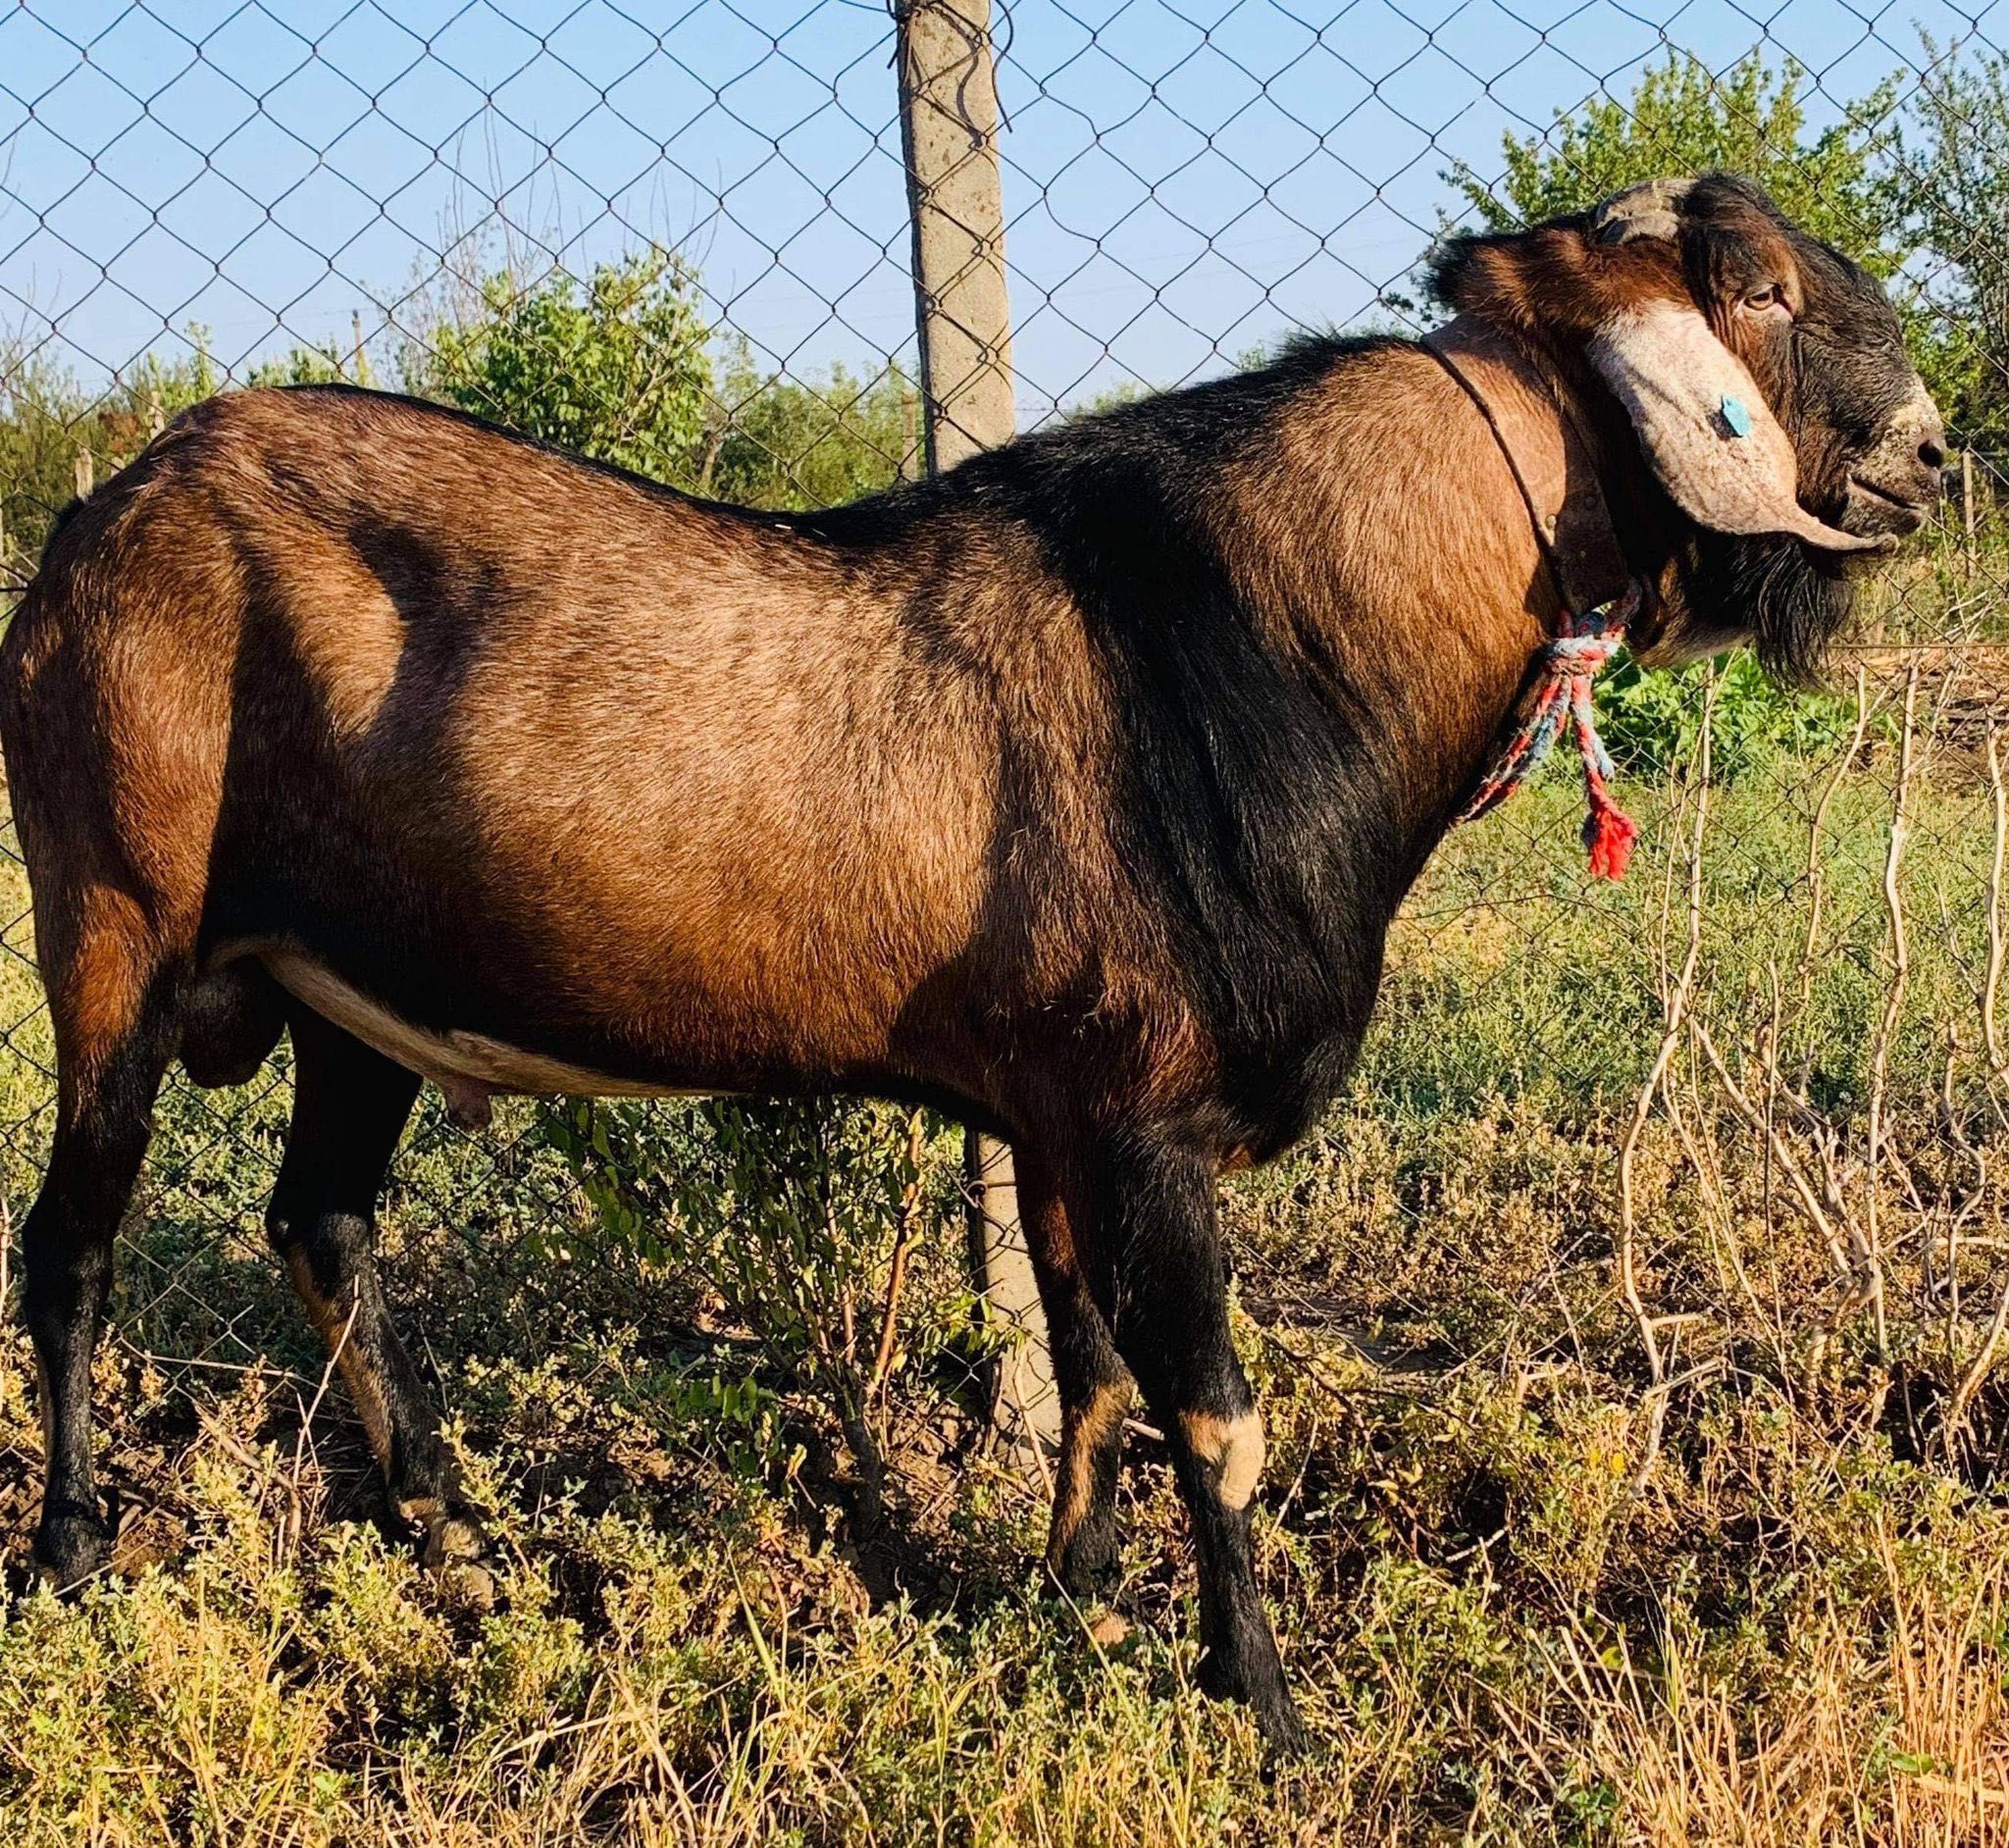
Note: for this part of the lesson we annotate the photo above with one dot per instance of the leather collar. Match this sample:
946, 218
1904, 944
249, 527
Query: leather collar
1534, 419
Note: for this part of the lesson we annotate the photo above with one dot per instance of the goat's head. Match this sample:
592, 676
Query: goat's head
1786, 434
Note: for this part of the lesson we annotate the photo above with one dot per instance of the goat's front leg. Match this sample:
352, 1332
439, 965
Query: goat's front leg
1095, 1390
1158, 1244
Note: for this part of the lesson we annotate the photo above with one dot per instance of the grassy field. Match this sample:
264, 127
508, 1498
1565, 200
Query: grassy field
1633, 1470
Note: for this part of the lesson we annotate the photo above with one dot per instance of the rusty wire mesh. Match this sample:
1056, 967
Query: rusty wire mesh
196, 195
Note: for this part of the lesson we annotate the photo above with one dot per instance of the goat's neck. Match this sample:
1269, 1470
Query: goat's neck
1385, 538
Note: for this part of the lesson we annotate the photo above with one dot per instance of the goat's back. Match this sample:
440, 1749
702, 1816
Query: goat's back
644, 779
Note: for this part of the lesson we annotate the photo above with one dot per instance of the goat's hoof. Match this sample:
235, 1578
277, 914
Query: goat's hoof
1268, 1701
470, 1585
1110, 1630
455, 1548
1284, 1738
73, 1545
1088, 1564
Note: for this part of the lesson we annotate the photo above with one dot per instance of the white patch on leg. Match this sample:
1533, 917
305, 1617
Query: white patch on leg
1232, 1448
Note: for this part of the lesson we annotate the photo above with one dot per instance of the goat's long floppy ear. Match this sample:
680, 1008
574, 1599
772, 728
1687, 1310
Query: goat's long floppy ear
1702, 420
1705, 426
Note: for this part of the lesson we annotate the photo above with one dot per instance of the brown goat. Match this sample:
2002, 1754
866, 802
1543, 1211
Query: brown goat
1074, 790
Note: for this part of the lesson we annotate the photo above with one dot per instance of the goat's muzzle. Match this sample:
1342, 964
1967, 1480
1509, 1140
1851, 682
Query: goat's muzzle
1896, 485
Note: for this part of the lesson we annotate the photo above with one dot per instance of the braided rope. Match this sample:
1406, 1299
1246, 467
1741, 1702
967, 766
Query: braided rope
1559, 695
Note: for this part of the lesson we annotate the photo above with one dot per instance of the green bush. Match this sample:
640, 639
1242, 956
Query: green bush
1652, 722
803, 1216
785, 442
49, 420
616, 368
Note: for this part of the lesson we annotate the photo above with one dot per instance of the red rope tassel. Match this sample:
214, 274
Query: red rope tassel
1609, 833
1559, 695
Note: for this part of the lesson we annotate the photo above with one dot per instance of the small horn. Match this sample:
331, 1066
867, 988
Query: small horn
1652, 210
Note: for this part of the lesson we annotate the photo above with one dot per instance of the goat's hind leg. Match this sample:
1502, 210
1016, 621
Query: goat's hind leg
113, 1004
350, 1104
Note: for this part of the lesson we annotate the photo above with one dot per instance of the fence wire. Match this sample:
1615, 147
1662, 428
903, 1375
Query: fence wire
710, 201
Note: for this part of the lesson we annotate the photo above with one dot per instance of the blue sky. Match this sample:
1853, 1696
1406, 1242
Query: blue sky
1183, 180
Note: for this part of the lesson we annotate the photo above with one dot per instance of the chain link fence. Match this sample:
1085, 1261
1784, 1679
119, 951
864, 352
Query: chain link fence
682, 238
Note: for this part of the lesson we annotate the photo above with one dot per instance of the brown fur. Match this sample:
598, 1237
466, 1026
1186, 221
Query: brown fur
1088, 1429
335, 1322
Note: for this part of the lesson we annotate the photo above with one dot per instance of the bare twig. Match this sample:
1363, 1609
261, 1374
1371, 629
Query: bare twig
1823, 1211
1991, 983
1893, 1015
1817, 878
1675, 1010
902, 1245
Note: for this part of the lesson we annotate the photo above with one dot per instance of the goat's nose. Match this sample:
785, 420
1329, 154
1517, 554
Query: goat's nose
1931, 431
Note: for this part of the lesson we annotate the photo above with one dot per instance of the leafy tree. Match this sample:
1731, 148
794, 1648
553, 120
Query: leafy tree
1950, 186
54, 432
1683, 118
783, 443
617, 368
622, 368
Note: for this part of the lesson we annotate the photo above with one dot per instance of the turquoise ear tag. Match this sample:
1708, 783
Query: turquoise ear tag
1736, 416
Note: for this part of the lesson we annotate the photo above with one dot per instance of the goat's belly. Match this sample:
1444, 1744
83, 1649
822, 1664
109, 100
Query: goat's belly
469, 1068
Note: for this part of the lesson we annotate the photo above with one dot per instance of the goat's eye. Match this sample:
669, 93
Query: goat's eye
1759, 300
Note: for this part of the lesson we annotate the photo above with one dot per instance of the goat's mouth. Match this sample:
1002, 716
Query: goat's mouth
1884, 509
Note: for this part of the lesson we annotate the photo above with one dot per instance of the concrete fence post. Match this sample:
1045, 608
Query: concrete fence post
949, 134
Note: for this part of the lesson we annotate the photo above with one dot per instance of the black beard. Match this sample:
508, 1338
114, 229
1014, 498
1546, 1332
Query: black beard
1773, 591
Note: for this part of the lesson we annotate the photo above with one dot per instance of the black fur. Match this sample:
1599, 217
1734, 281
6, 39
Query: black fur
1259, 811
1793, 603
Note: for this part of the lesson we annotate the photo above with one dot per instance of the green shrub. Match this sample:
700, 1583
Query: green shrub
803, 1217
1652, 722
616, 368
